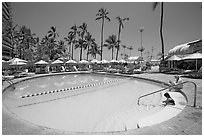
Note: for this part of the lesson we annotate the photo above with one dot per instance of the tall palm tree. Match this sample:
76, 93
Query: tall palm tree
161, 24
102, 15
111, 43
74, 33
82, 33
83, 30
141, 49
121, 26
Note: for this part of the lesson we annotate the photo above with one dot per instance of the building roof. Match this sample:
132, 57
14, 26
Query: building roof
187, 48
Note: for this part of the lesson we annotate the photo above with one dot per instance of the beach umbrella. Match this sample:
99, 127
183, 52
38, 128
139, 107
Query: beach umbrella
122, 61
104, 61
114, 61
17, 60
41, 62
57, 62
95, 61
17, 63
83, 62
70, 62
194, 56
135, 58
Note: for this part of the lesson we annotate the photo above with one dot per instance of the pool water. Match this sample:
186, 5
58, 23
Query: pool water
105, 107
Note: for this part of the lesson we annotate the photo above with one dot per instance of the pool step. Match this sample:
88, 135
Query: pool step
125, 120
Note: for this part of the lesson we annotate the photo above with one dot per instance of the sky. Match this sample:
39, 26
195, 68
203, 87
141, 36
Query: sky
182, 22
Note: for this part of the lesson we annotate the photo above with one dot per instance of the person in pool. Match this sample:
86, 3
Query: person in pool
169, 100
177, 82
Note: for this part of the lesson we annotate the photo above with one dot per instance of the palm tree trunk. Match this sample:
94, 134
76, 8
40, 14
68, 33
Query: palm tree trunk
161, 28
102, 38
112, 53
130, 53
73, 47
87, 54
70, 50
118, 42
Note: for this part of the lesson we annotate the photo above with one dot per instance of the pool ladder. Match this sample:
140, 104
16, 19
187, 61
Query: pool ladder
195, 91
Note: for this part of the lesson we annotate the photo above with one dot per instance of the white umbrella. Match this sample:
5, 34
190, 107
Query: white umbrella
17, 60
95, 61
16, 63
114, 61
41, 62
57, 62
136, 58
83, 62
104, 61
70, 62
122, 61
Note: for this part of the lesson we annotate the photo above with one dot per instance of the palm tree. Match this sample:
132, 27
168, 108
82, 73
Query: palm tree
70, 42
82, 33
161, 24
27, 43
124, 47
83, 30
102, 14
39, 49
89, 41
111, 43
121, 26
80, 44
141, 49
46, 42
53, 32
74, 33
130, 48
61, 47
94, 50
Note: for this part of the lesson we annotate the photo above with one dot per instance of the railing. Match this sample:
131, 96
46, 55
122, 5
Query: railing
195, 92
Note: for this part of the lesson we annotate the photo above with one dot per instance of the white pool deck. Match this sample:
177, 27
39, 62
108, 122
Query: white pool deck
182, 119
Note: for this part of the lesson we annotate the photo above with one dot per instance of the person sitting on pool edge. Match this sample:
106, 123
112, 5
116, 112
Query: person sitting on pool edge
169, 100
177, 82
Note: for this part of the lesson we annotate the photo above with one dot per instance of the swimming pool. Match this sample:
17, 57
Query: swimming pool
83, 102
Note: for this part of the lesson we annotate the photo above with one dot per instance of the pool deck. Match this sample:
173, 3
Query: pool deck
188, 122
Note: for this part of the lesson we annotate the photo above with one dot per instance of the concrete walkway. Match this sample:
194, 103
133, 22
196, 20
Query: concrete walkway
188, 122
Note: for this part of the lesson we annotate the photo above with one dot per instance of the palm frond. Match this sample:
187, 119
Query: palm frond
98, 18
108, 18
155, 5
